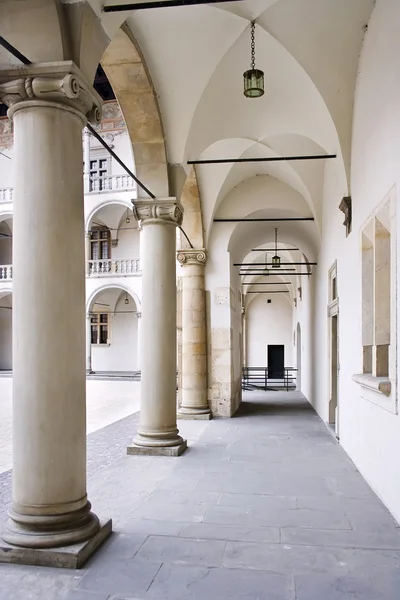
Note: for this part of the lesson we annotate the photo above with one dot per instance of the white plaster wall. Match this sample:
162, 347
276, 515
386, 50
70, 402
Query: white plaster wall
368, 432
268, 324
122, 352
128, 241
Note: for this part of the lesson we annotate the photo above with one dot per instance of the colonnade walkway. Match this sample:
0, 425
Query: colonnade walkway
263, 506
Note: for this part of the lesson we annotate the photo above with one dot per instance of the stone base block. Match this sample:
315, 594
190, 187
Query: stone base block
157, 450
194, 416
67, 557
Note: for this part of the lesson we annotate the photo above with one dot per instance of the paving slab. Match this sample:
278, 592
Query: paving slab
263, 506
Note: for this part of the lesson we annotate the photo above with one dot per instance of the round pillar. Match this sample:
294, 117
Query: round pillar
157, 429
194, 402
49, 506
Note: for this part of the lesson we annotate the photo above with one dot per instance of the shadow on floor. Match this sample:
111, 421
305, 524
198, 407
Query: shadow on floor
273, 403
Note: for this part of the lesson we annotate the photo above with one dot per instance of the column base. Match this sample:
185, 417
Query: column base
157, 450
67, 557
194, 416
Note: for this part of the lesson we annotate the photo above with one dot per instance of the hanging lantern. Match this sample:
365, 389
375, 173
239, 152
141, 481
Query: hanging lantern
276, 260
128, 219
126, 299
253, 79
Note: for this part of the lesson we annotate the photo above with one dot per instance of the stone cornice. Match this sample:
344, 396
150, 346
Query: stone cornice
57, 82
191, 256
160, 210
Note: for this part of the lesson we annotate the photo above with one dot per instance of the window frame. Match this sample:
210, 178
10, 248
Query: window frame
380, 390
96, 324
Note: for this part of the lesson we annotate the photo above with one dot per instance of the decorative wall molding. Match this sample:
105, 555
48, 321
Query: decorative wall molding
345, 207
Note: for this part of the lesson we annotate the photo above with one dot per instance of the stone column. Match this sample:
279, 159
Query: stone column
87, 253
86, 160
158, 433
88, 344
194, 347
139, 337
50, 509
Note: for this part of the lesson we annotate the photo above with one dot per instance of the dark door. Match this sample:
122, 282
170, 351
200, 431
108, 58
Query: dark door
276, 362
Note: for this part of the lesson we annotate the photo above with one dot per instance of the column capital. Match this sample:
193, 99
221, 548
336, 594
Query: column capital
59, 83
167, 211
191, 256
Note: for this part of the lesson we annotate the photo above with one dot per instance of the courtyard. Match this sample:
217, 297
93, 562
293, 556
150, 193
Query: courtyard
264, 506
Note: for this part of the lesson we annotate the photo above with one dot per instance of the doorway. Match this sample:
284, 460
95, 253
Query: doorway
334, 373
276, 361
298, 358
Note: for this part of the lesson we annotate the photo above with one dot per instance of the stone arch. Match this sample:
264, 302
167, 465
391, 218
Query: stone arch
96, 209
127, 73
119, 286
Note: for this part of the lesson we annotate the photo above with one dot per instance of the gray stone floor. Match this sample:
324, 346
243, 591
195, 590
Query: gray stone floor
263, 506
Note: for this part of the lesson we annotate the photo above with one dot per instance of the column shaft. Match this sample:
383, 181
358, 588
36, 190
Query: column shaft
49, 506
194, 346
157, 430
88, 344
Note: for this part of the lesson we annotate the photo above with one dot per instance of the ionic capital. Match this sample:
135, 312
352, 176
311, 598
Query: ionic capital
191, 256
160, 210
57, 82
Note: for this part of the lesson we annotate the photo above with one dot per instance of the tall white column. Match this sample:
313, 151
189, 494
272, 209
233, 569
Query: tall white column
88, 344
86, 160
157, 432
194, 347
139, 337
49, 505
87, 253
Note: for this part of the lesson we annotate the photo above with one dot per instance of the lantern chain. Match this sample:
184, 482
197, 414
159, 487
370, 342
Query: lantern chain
253, 46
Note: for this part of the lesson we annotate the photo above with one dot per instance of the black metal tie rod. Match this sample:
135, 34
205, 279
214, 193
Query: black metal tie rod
261, 274
273, 250
263, 221
270, 292
219, 161
119, 161
269, 283
271, 264
160, 4
14, 51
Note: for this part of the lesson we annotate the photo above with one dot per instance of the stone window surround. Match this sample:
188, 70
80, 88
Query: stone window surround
382, 391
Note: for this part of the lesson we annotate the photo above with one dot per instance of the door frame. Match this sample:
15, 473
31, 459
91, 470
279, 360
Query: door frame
333, 312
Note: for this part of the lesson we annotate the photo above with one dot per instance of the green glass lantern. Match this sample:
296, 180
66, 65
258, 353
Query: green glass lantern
253, 79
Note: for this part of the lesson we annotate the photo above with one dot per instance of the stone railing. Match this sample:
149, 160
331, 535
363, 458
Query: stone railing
111, 183
114, 267
6, 272
6, 195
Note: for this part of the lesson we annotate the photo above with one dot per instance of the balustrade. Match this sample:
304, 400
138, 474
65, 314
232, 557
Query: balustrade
6, 195
6, 272
111, 183
114, 267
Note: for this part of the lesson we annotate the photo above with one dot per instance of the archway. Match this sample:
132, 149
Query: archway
5, 247
5, 331
113, 343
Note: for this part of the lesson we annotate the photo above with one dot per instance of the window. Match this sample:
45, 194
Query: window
376, 291
100, 328
332, 282
99, 170
100, 243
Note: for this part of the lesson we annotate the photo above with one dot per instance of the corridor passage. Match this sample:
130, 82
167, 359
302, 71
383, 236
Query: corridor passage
264, 506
